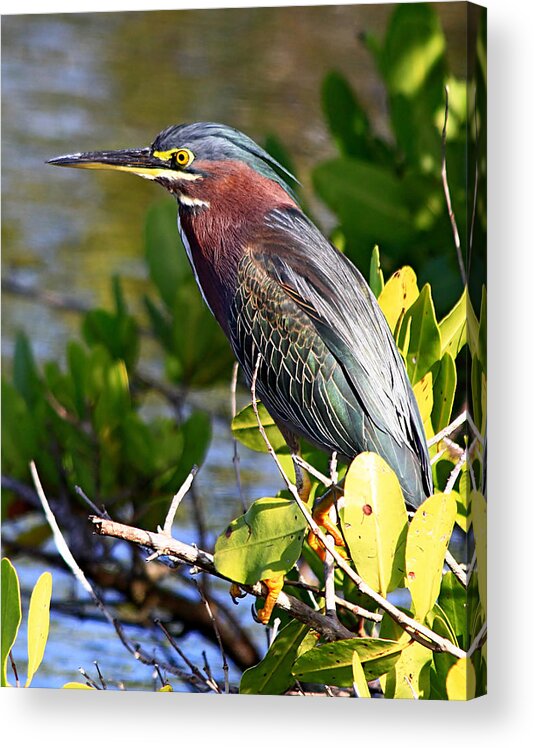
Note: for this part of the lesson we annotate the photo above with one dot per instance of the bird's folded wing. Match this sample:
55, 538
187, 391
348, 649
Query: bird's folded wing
341, 306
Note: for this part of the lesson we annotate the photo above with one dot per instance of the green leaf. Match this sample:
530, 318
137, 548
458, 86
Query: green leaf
358, 676
197, 339
196, 436
426, 544
478, 394
413, 45
345, 117
414, 67
479, 517
453, 601
331, 664
376, 276
472, 327
423, 348
410, 678
11, 612
245, 429
25, 375
20, 431
273, 674
397, 297
444, 387
77, 362
453, 328
440, 623
461, 680
261, 543
375, 521
368, 199
114, 401
38, 623
483, 332
116, 331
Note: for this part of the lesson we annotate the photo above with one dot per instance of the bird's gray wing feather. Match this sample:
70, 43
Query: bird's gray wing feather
341, 306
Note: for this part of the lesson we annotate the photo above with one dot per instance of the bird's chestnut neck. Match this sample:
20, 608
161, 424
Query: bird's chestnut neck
220, 214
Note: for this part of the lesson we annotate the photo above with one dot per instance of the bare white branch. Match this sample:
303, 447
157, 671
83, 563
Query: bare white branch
177, 499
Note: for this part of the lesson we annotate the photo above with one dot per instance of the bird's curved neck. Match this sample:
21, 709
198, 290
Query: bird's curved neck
220, 215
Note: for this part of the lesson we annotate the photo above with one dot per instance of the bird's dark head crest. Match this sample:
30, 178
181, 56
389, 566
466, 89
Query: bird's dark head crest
216, 142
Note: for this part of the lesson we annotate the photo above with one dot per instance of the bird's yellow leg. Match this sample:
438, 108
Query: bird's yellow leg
321, 514
274, 586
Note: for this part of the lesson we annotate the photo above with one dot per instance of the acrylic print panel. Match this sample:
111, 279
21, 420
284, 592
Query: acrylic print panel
313, 449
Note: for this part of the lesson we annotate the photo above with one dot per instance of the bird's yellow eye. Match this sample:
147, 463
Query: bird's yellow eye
183, 157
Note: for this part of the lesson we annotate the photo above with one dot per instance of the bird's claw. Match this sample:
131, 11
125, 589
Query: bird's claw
236, 593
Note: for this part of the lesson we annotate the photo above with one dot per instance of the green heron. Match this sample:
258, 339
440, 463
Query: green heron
296, 311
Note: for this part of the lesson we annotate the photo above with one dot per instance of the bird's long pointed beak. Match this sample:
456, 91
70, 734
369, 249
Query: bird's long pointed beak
138, 161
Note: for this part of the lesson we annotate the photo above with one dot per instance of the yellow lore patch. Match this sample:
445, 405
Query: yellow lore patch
182, 156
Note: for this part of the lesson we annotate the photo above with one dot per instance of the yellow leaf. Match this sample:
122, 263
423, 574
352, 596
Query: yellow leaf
38, 623
74, 685
453, 328
461, 681
423, 391
375, 521
360, 684
397, 296
426, 544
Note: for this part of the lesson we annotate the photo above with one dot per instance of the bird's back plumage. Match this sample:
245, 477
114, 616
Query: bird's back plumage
329, 367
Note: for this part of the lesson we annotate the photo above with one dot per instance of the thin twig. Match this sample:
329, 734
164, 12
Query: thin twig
456, 569
455, 472
101, 512
455, 234
410, 686
14, 668
329, 584
100, 676
416, 630
474, 429
438, 455
448, 430
191, 665
69, 559
88, 678
311, 469
357, 610
218, 635
236, 460
479, 639
177, 499
471, 567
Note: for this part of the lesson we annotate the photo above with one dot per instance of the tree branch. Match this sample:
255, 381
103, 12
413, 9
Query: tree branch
174, 549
